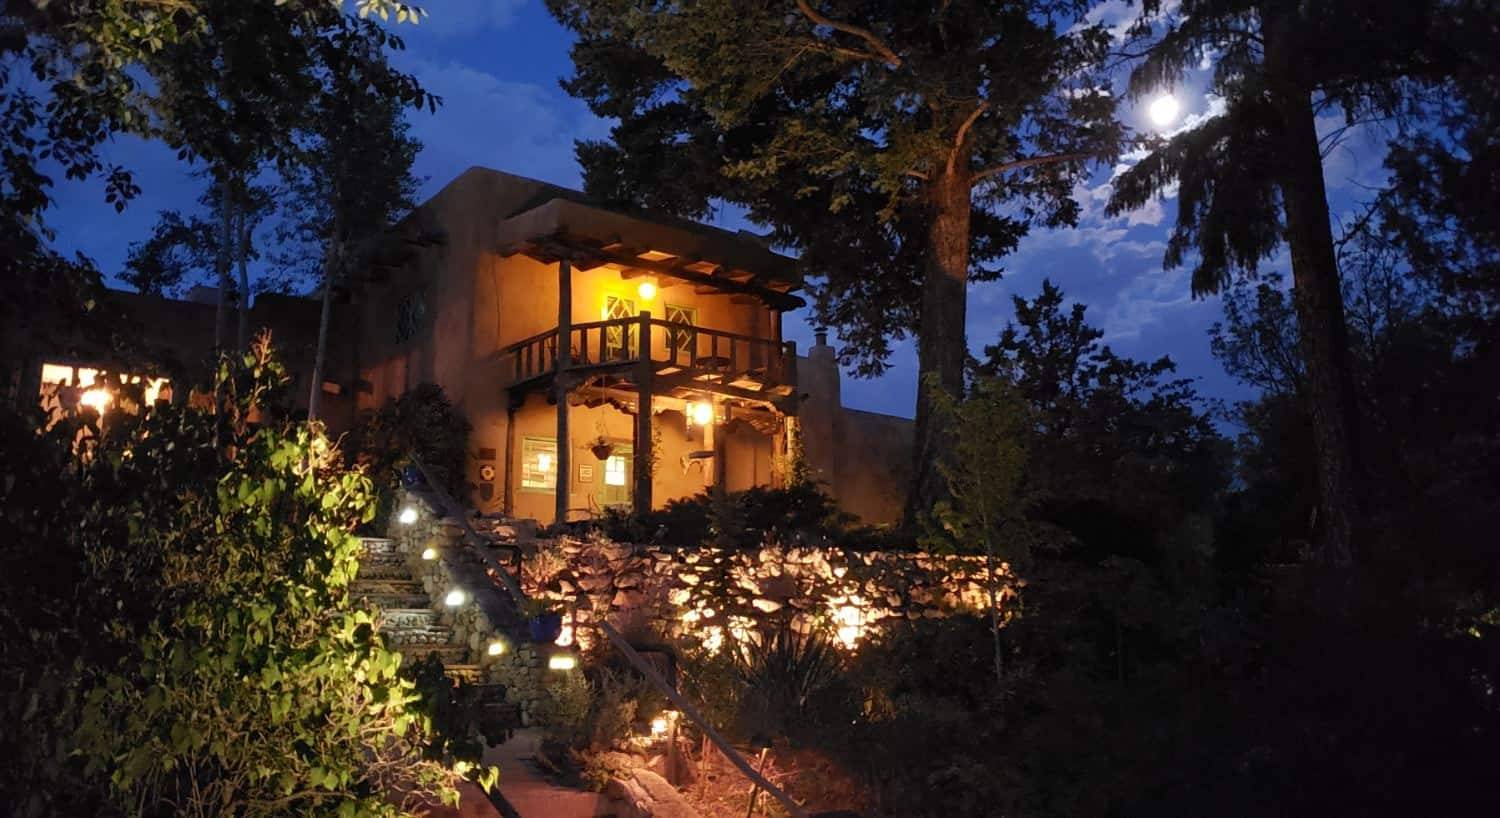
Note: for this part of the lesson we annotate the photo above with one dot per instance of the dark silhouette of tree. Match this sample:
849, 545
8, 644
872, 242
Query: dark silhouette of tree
899, 150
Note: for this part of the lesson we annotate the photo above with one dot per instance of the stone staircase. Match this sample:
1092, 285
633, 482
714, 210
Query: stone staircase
413, 626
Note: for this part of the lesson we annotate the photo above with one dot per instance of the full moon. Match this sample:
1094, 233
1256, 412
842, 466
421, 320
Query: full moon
1163, 110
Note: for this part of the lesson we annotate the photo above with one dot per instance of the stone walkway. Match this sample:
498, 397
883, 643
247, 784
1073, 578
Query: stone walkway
524, 785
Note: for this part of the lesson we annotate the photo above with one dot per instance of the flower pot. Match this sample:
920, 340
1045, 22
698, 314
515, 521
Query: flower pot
545, 627
603, 450
411, 477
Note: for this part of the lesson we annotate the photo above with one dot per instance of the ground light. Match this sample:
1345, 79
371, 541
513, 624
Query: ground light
455, 598
407, 516
496, 647
429, 553
562, 661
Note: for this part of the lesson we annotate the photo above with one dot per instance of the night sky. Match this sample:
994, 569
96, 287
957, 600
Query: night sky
496, 64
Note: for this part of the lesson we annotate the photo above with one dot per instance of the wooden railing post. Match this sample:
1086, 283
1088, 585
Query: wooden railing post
645, 372
560, 386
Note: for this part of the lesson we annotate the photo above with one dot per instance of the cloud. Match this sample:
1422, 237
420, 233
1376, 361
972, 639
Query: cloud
454, 18
520, 127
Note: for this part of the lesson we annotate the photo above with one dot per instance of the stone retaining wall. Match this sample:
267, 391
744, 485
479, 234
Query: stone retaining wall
708, 595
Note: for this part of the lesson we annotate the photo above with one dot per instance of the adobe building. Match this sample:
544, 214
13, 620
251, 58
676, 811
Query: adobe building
603, 358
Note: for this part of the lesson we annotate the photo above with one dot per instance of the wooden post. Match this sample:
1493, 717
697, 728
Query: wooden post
560, 386
508, 491
645, 373
721, 469
792, 807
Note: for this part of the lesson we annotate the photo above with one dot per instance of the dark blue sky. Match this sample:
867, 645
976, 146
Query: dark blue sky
496, 64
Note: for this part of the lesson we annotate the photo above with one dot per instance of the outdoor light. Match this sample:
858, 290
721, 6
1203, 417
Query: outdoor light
1163, 110
562, 661
659, 726
700, 413
96, 399
429, 553
496, 647
564, 637
455, 598
407, 516
647, 290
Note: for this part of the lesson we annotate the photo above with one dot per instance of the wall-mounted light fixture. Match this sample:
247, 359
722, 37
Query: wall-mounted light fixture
562, 661
496, 647
646, 290
429, 553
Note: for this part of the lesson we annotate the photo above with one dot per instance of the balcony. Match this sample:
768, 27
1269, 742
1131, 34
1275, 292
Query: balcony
668, 357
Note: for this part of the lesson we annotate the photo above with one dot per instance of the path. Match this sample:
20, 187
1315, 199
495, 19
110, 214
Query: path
527, 789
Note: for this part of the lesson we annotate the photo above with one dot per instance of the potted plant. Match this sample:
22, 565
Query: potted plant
601, 447
544, 623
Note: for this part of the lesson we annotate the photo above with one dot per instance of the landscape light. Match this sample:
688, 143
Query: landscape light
407, 516
496, 647
562, 661
659, 726
455, 598
647, 290
429, 553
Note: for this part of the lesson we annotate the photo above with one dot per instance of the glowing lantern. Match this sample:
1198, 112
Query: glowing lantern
659, 726
407, 516
647, 290
429, 553
701, 413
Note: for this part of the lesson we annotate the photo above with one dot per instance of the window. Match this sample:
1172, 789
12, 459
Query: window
538, 464
616, 337
614, 471
688, 316
64, 386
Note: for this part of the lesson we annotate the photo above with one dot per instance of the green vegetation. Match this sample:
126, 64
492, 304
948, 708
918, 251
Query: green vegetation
178, 637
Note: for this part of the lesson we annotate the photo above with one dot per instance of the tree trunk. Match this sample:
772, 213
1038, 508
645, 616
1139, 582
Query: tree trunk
942, 346
315, 391
1318, 300
221, 268
242, 250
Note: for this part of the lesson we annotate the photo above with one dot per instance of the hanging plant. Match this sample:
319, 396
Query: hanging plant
601, 447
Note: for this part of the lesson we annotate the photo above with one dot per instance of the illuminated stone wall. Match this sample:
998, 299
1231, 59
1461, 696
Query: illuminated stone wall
710, 595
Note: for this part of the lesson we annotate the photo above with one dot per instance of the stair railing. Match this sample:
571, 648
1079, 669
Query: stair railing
451, 508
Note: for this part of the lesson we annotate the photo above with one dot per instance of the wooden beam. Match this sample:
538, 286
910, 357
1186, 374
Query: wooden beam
643, 385
560, 386
779, 300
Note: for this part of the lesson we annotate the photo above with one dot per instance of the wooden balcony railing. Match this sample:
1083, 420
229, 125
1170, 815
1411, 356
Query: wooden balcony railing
679, 353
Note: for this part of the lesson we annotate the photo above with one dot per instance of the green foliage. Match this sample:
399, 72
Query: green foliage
421, 422
801, 514
189, 636
788, 682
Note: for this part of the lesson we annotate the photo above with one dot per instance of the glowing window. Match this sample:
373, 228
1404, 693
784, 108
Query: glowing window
538, 464
55, 376
614, 471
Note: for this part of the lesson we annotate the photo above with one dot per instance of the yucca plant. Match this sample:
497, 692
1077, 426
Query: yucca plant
782, 673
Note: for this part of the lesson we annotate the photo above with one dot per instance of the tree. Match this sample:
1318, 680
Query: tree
990, 500
899, 152
352, 180
1252, 178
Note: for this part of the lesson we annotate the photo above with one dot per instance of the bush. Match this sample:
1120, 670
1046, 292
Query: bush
422, 422
798, 515
184, 630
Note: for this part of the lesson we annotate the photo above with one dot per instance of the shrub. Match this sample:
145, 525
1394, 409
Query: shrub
801, 514
422, 422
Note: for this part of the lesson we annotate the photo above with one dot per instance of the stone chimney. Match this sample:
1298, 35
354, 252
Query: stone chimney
818, 379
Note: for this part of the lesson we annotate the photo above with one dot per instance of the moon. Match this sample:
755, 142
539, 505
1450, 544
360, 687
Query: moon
1163, 110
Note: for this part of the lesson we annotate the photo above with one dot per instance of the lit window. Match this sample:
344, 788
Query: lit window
614, 471
538, 464
55, 376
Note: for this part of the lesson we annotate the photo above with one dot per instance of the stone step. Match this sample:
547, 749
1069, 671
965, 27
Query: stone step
374, 546
386, 585
370, 569
446, 653
461, 672
392, 619
437, 635
390, 601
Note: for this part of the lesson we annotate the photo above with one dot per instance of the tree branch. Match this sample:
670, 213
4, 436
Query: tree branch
881, 49
963, 133
1020, 164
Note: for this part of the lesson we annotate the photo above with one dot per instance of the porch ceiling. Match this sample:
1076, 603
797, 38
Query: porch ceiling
591, 237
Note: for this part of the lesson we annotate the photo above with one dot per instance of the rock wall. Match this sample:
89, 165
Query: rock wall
708, 595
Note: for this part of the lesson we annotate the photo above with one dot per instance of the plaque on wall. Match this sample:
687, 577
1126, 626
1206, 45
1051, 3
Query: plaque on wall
585, 473
487, 473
